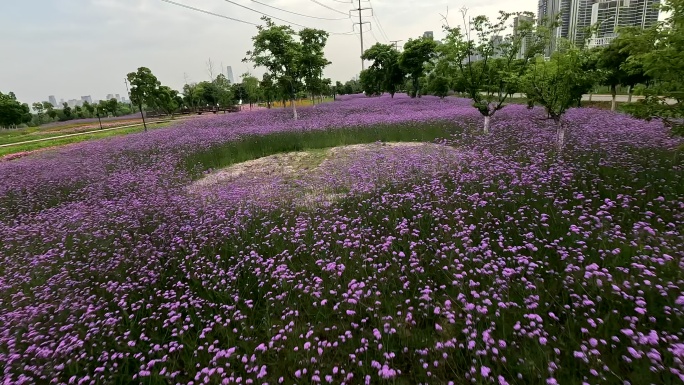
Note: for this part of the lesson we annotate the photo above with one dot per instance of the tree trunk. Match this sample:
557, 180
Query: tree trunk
294, 109
613, 92
590, 95
143, 116
487, 124
560, 135
629, 94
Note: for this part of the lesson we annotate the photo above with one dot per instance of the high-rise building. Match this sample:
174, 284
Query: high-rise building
527, 42
118, 97
429, 35
110, 96
611, 15
577, 16
229, 74
52, 100
87, 98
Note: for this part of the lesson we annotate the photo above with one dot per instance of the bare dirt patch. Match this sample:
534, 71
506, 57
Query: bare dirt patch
260, 176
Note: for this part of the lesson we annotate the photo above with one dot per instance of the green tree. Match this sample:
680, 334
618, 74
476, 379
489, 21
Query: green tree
39, 109
143, 89
371, 80
166, 100
66, 111
276, 49
268, 88
12, 112
659, 51
438, 85
486, 60
223, 91
89, 108
313, 59
386, 63
250, 86
412, 60
554, 84
112, 106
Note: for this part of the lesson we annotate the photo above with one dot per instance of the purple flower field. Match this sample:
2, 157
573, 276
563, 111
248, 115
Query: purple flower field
506, 263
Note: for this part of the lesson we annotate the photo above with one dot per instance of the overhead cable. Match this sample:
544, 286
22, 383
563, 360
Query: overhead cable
209, 13
299, 14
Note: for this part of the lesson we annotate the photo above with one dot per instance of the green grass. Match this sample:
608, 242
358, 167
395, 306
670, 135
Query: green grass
70, 140
255, 147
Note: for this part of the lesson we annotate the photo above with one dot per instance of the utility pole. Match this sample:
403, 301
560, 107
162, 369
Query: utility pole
361, 23
395, 43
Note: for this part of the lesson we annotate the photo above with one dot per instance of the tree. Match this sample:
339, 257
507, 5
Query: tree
143, 89
38, 107
276, 49
89, 108
553, 84
416, 53
112, 106
659, 52
66, 111
166, 99
438, 85
371, 81
223, 92
12, 112
250, 86
268, 88
486, 60
386, 65
313, 59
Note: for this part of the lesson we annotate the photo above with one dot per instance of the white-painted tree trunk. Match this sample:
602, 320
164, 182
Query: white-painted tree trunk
612, 104
487, 124
560, 135
629, 95
294, 109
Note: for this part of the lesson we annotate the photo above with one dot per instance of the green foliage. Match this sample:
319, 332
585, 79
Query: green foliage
483, 62
386, 73
313, 59
557, 84
144, 87
166, 99
659, 53
438, 85
372, 81
12, 112
417, 52
276, 49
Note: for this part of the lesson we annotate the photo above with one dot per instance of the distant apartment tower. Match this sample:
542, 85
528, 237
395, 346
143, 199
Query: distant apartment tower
574, 20
118, 97
110, 96
52, 100
429, 35
87, 99
577, 16
611, 15
527, 41
229, 74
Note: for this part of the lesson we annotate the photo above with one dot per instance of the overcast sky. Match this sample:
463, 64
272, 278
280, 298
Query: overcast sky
70, 48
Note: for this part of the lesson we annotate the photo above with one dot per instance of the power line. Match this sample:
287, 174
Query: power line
299, 14
209, 13
375, 17
277, 18
330, 8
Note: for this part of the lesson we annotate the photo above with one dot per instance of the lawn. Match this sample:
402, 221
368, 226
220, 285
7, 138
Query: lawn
20, 149
496, 261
